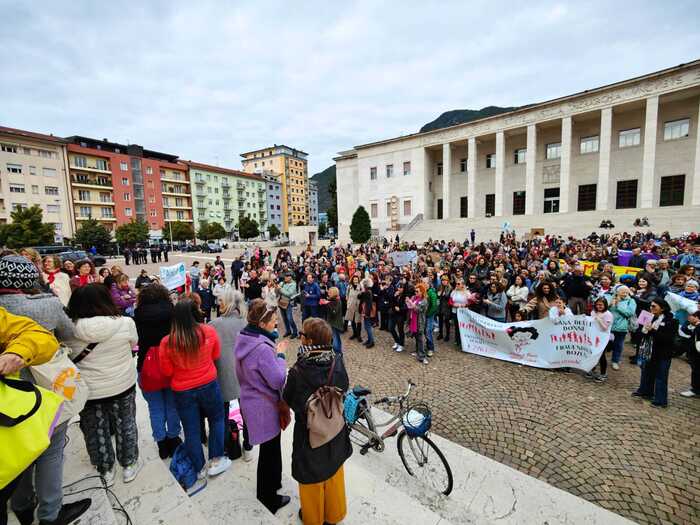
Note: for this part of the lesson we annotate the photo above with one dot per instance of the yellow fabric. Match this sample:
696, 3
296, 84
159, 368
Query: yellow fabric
24, 337
324, 501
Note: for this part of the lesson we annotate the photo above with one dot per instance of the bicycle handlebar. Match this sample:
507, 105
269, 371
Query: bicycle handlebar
395, 399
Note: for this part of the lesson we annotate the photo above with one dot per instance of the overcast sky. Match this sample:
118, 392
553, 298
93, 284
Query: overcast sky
207, 82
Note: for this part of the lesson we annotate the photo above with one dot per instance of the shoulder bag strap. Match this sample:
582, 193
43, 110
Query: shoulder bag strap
25, 386
82, 355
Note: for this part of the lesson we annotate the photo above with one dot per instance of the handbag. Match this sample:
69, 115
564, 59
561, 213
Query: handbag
232, 440
152, 378
28, 416
283, 301
61, 376
325, 412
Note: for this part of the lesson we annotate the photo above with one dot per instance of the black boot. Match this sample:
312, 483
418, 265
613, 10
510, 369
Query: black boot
163, 448
26, 517
172, 444
70, 512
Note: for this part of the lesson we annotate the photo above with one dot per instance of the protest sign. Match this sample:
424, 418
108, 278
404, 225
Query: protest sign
173, 276
589, 266
569, 341
403, 258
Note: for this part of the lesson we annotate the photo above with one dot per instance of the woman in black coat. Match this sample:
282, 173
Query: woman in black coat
655, 354
318, 471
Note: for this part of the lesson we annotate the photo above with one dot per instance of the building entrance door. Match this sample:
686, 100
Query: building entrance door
439, 208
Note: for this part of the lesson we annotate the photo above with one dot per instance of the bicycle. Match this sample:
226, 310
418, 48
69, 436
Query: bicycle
412, 424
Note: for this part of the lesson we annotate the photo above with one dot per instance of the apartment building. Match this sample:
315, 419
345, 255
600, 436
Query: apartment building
33, 169
274, 199
291, 167
313, 203
224, 195
115, 183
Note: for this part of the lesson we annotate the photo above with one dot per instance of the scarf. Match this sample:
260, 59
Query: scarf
317, 353
413, 319
51, 276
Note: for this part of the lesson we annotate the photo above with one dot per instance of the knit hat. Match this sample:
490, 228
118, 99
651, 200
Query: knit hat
692, 282
18, 273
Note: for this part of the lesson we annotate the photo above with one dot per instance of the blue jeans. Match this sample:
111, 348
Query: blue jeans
337, 342
618, 345
49, 480
654, 380
367, 322
190, 403
309, 310
288, 318
429, 324
165, 423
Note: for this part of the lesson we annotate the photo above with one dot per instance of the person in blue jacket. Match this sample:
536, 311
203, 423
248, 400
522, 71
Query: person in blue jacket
311, 294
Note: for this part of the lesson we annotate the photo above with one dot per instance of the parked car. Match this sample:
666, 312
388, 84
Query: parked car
211, 247
77, 255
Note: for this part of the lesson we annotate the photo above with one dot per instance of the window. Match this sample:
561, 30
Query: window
180, 215
125, 181
16, 188
32, 170
107, 213
589, 144
407, 208
676, 129
406, 168
388, 208
462, 165
439, 214
105, 197
149, 171
586, 197
85, 211
553, 151
630, 137
490, 201
127, 212
19, 206
8, 148
551, 200
123, 166
626, 194
80, 162
463, 207
48, 172
518, 203
439, 168
83, 195
53, 208
51, 190
491, 160
389, 171
127, 196
178, 201
373, 207
101, 164
153, 213
35, 189
14, 168
672, 190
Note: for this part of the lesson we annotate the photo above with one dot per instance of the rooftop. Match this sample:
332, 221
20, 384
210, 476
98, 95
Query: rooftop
218, 169
30, 135
128, 149
273, 147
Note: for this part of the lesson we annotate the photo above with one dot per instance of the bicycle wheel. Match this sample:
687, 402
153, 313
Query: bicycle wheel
424, 460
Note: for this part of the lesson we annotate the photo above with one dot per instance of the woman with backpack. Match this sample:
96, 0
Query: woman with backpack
319, 471
261, 369
187, 356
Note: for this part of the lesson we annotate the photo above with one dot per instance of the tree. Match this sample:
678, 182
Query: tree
132, 232
360, 227
26, 229
248, 228
332, 210
181, 231
322, 229
274, 231
209, 231
92, 233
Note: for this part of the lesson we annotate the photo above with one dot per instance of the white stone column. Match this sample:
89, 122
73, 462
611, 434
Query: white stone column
420, 166
530, 165
446, 173
565, 165
605, 143
500, 169
649, 159
695, 201
471, 177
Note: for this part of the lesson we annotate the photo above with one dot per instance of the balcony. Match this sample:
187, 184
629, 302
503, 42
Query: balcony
178, 220
90, 169
225, 184
177, 207
198, 182
90, 183
99, 202
88, 217
240, 186
169, 178
175, 193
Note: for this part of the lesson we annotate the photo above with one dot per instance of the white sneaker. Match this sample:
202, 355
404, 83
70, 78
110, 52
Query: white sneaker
202, 474
247, 455
688, 393
393, 347
109, 477
398, 348
219, 465
131, 471
615, 366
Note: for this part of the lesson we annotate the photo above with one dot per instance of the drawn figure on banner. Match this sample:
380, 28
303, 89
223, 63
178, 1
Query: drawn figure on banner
521, 336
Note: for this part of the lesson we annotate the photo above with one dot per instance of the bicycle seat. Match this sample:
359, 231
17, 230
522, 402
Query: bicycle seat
360, 391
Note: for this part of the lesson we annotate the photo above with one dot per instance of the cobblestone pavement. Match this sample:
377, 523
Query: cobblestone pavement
592, 440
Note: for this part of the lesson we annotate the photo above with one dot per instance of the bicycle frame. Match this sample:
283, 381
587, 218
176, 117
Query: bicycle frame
394, 422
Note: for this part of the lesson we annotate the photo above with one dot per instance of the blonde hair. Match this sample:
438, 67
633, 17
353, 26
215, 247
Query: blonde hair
333, 292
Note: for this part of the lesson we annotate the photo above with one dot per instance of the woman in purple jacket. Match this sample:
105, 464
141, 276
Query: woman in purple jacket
261, 369
123, 294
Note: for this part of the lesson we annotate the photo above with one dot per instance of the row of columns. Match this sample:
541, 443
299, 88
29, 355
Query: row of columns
603, 185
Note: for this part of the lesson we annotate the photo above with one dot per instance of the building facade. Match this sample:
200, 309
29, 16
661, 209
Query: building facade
291, 167
33, 171
313, 203
274, 200
224, 195
632, 144
115, 183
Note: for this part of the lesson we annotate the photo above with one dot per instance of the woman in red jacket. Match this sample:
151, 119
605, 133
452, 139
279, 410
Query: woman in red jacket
187, 356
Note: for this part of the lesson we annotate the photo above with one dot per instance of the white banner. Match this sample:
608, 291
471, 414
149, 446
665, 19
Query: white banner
403, 258
573, 341
173, 276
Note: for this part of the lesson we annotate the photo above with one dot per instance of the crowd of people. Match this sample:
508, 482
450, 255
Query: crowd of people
215, 341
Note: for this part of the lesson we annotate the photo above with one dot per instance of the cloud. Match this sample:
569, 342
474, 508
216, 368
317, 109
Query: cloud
209, 80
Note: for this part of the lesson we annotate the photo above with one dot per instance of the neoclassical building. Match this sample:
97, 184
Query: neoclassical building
629, 145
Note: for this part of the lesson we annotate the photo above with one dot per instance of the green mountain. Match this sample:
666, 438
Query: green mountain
460, 116
323, 180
